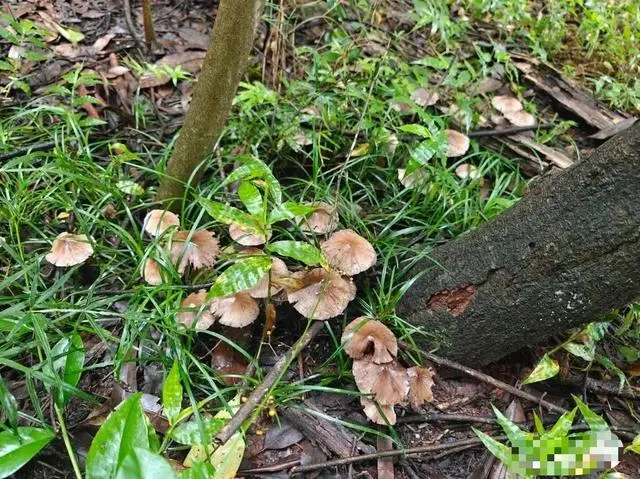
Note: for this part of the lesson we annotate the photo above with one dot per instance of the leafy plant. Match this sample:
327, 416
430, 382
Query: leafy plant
555, 451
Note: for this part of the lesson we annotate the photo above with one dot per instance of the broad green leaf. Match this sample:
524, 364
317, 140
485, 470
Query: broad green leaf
240, 276
189, 433
129, 187
634, 446
172, 394
417, 130
538, 423
198, 470
154, 442
595, 422
289, 210
124, 429
562, 426
513, 432
226, 214
251, 198
70, 34
496, 448
299, 250
8, 404
16, 449
615, 475
68, 361
143, 464
423, 153
545, 369
585, 351
255, 168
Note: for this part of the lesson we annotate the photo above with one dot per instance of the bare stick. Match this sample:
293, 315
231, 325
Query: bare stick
508, 131
487, 379
128, 19
270, 379
149, 33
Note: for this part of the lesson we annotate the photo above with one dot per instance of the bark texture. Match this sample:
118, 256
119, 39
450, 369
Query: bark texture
566, 254
222, 70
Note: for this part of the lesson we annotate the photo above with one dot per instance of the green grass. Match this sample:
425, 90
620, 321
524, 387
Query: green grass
343, 106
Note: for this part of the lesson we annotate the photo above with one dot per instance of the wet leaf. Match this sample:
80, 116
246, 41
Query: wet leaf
251, 198
595, 422
545, 369
172, 394
198, 470
496, 448
68, 362
129, 187
242, 275
513, 432
634, 446
299, 250
18, 449
123, 430
562, 426
189, 433
585, 351
144, 464
289, 210
227, 214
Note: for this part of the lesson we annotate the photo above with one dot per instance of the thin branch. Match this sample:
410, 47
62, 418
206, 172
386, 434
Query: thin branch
508, 131
487, 379
270, 379
128, 19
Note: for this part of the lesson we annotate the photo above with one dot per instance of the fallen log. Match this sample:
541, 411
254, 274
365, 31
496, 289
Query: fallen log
566, 254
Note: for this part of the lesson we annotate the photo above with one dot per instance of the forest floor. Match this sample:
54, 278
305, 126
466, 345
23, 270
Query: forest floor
335, 100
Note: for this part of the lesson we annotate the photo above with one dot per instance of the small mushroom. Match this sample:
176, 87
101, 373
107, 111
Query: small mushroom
420, 383
278, 270
362, 337
325, 294
322, 221
151, 272
377, 413
349, 252
520, 118
457, 143
402, 107
158, 221
506, 104
388, 382
424, 97
199, 251
236, 311
467, 171
69, 250
246, 236
194, 308
487, 85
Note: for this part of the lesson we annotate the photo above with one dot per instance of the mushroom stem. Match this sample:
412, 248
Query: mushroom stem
269, 381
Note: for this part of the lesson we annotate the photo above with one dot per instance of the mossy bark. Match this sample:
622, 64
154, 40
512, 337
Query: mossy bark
222, 70
566, 254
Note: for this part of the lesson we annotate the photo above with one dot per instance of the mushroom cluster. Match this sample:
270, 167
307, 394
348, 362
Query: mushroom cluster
379, 374
512, 111
319, 293
195, 249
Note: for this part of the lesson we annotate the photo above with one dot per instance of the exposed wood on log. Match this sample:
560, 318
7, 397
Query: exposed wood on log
566, 254
571, 97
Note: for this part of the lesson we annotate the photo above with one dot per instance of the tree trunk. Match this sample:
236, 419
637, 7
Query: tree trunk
566, 254
222, 70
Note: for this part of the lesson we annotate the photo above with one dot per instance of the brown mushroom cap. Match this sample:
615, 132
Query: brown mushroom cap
420, 383
322, 221
388, 382
457, 143
157, 221
424, 97
325, 294
520, 118
69, 250
278, 270
200, 251
506, 104
362, 337
152, 272
246, 236
466, 171
236, 311
348, 252
373, 410
194, 307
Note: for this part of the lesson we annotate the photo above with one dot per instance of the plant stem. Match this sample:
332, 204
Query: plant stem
67, 443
